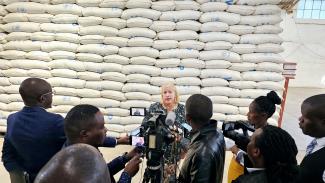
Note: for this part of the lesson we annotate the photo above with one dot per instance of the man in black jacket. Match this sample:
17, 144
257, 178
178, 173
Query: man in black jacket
312, 123
204, 161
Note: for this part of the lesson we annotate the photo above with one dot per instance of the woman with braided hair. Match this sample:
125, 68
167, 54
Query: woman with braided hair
272, 152
260, 110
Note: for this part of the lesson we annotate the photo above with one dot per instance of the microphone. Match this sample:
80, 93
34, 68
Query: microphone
170, 119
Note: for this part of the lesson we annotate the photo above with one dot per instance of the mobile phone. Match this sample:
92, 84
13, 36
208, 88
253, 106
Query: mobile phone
137, 141
137, 111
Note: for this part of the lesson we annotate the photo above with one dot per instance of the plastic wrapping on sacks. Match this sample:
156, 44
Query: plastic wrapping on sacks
220, 91
137, 96
137, 78
211, 82
111, 94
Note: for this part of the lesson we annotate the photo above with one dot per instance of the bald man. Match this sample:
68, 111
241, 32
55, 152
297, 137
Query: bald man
33, 134
312, 123
79, 163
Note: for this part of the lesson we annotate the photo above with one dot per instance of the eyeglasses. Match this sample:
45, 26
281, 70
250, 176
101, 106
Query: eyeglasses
48, 93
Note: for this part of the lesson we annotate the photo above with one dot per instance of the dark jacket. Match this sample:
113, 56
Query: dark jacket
254, 177
33, 137
204, 161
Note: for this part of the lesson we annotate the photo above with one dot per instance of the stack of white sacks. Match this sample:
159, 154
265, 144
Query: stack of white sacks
115, 54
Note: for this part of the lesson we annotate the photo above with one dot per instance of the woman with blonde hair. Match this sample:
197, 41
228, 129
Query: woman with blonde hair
176, 150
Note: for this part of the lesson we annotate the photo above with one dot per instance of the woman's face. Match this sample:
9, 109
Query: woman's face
168, 95
254, 117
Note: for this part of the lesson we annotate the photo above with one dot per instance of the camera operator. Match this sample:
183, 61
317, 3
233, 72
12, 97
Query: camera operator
260, 110
169, 103
204, 161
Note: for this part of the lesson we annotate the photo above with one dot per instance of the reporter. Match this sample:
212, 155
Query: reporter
260, 110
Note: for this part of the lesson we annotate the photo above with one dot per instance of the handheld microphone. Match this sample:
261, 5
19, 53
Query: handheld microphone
170, 119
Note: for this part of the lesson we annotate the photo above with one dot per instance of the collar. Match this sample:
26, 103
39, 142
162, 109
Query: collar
211, 126
251, 170
26, 107
320, 141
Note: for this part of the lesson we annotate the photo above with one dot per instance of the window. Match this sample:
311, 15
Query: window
311, 9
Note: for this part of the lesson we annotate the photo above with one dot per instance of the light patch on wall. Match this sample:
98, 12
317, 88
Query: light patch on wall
323, 80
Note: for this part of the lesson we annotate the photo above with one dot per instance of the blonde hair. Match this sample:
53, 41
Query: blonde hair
173, 87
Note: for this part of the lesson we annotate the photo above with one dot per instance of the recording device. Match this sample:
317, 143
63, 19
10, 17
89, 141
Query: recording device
137, 111
158, 133
241, 139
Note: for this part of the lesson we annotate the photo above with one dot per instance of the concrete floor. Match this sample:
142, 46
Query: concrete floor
290, 123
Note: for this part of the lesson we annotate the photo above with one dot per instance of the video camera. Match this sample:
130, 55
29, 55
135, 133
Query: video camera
241, 139
158, 132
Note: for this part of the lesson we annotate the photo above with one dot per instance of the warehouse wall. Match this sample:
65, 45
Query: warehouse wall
305, 45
